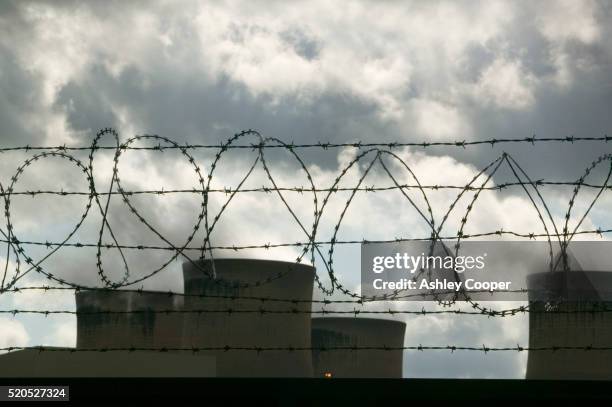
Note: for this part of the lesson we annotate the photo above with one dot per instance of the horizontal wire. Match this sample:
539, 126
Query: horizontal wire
601, 308
324, 145
260, 349
500, 232
302, 189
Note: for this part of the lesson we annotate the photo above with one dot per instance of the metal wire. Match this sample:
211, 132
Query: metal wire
369, 155
260, 349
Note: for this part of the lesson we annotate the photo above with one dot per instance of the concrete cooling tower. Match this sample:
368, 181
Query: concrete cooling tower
253, 329
548, 328
361, 332
137, 322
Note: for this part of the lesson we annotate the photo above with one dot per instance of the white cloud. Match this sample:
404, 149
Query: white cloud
438, 121
42, 300
567, 23
376, 65
507, 85
63, 334
570, 20
408, 54
12, 333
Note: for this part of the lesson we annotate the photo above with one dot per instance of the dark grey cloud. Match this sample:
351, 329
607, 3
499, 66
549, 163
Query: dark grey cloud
189, 104
18, 100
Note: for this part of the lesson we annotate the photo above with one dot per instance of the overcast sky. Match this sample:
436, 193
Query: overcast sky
303, 72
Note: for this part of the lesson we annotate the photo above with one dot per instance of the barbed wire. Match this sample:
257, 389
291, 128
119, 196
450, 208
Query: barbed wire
325, 301
586, 307
320, 145
370, 154
269, 245
260, 349
600, 308
302, 189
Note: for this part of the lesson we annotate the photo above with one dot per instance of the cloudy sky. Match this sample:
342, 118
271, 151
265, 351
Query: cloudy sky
301, 72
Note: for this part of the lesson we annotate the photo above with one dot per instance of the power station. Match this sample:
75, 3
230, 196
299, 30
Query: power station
276, 326
343, 333
246, 304
572, 322
243, 304
123, 319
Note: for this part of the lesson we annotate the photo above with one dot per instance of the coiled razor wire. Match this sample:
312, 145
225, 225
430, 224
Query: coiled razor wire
371, 154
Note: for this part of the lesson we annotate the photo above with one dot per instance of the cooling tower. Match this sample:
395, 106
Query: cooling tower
548, 327
252, 329
359, 332
134, 319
